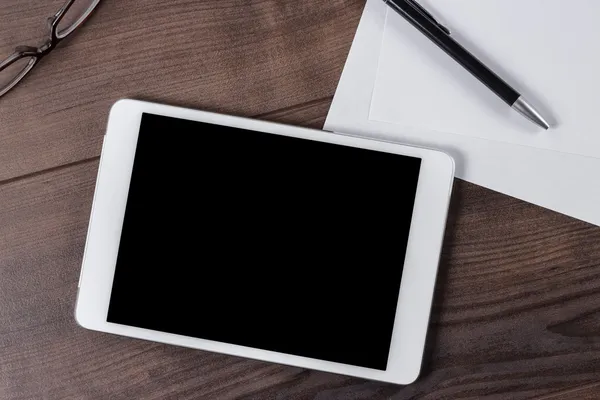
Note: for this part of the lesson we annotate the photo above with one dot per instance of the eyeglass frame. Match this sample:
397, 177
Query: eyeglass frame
37, 53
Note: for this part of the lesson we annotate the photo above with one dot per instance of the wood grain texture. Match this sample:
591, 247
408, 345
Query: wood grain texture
231, 56
517, 307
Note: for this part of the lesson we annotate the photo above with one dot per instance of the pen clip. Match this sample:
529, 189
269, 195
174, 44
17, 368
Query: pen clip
427, 15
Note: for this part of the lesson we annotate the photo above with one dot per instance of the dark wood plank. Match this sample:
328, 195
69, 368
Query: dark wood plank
516, 313
587, 392
236, 57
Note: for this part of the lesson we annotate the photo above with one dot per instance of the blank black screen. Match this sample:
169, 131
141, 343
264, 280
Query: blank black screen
264, 241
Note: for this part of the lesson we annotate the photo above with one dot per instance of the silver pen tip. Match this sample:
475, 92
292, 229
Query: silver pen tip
523, 107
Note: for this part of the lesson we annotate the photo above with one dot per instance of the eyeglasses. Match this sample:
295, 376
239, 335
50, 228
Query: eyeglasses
66, 20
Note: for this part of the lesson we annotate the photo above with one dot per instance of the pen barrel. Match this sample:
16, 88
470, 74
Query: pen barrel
442, 39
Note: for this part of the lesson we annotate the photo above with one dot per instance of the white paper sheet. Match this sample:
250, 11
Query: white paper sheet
561, 181
549, 50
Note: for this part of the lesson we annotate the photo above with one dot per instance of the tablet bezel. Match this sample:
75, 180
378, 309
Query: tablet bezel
420, 266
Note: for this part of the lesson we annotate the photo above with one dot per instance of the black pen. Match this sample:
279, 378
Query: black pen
418, 17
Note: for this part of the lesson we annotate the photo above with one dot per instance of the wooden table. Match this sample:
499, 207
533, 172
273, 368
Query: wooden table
517, 310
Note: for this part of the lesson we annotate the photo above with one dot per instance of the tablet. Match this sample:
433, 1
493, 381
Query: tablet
261, 240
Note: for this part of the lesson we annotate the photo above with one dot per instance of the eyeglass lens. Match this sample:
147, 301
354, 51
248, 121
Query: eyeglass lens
10, 75
75, 16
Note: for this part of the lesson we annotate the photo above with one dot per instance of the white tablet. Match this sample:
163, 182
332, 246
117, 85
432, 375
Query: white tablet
261, 240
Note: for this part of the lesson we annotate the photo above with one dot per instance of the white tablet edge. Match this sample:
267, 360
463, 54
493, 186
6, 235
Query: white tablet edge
420, 266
